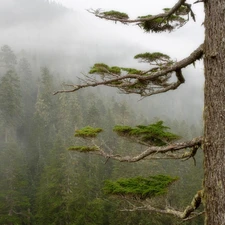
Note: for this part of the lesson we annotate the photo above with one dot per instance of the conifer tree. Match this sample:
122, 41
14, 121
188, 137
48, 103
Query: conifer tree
8, 58
10, 103
156, 80
44, 120
14, 198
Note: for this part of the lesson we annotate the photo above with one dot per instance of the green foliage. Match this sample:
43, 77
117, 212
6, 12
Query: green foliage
102, 68
156, 25
177, 18
115, 15
154, 134
161, 24
99, 68
131, 70
166, 9
14, 186
151, 57
83, 148
10, 97
183, 10
88, 132
115, 69
139, 187
8, 58
144, 17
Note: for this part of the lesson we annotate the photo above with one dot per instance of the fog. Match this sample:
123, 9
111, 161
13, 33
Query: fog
56, 42
69, 40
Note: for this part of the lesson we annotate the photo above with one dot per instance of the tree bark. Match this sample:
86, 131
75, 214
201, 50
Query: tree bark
214, 113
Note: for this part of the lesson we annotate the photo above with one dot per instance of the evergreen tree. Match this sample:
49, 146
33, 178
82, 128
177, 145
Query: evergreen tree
14, 198
44, 122
8, 58
10, 103
69, 109
28, 98
157, 79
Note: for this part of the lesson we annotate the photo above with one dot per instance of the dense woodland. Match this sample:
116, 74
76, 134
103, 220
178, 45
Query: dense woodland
44, 183
41, 181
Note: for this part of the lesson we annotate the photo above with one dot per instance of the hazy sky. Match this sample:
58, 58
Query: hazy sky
179, 43
77, 39
134, 8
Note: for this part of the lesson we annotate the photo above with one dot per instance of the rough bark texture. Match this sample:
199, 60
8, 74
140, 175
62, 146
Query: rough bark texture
214, 112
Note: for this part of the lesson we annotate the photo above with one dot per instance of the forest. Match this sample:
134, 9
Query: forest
42, 182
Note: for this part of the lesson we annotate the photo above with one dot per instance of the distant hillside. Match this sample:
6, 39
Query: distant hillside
16, 12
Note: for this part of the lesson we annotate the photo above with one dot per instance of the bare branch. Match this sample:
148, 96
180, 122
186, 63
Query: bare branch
147, 83
185, 215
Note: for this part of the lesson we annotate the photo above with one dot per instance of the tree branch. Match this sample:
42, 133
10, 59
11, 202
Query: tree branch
187, 214
167, 14
153, 152
167, 21
147, 83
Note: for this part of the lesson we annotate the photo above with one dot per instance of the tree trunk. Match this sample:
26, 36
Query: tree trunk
214, 113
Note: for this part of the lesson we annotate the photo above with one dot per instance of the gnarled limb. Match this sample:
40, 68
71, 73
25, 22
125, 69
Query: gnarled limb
155, 152
187, 214
170, 19
145, 83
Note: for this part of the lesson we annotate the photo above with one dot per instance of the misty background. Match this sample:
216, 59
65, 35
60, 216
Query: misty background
71, 40
45, 44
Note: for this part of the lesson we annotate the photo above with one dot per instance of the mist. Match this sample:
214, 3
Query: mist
70, 41
57, 42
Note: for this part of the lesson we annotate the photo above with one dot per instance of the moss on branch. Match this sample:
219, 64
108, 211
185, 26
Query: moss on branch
140, 187
88, 132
